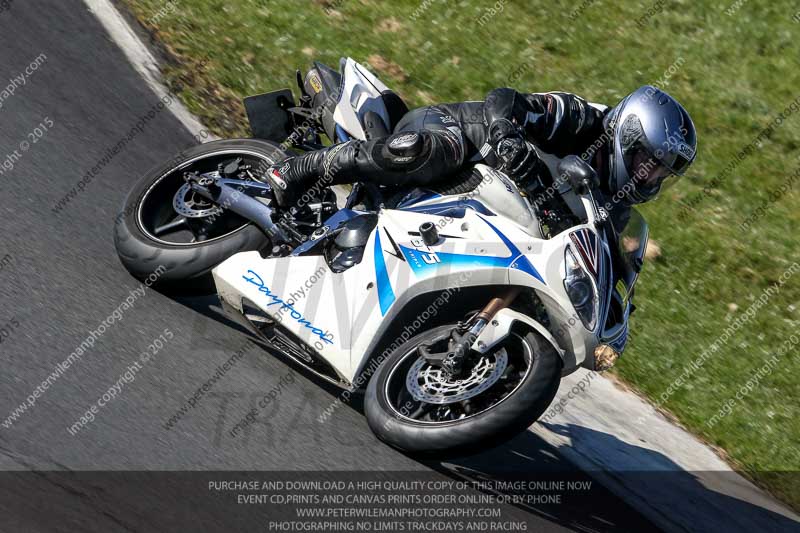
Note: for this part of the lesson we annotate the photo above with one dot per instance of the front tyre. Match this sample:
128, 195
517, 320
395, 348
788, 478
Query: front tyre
164, 224
412, 407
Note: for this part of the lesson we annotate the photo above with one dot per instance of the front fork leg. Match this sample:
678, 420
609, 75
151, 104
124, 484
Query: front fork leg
452, 361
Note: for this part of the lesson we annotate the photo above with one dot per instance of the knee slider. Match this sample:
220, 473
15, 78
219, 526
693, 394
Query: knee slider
404, 150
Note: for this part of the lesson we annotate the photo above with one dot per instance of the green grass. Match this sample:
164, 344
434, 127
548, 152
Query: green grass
733, 72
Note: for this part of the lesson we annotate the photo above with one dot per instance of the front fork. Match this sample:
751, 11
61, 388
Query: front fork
452, 361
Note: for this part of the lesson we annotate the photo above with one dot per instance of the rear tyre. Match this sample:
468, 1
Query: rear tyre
508, 390
151, 236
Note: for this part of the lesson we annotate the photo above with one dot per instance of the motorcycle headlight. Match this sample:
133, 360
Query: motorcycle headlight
581, 290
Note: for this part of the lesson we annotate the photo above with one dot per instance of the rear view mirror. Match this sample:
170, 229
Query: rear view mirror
578, 173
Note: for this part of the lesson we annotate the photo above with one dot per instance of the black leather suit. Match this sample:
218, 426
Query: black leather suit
431, 144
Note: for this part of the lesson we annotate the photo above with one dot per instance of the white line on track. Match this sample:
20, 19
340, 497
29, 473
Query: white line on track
142, 60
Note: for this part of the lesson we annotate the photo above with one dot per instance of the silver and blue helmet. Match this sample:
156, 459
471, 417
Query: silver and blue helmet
652, 138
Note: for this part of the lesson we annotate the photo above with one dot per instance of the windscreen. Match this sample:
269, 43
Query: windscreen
632, 244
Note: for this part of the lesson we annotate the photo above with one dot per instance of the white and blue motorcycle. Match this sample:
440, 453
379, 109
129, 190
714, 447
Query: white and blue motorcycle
460, 308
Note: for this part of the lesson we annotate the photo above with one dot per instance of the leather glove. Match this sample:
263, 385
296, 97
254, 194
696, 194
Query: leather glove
517, 157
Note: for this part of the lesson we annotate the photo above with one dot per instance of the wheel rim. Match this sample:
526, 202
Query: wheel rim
413, 393
170, 213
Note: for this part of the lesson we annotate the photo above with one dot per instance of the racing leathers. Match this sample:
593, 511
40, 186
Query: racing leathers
431, 144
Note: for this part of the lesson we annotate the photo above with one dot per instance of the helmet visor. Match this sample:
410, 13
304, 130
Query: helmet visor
646, 171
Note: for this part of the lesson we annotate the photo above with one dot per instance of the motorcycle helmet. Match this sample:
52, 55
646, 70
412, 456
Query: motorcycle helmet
652, 138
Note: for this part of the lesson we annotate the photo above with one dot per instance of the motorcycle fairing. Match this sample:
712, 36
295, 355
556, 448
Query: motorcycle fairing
361, 93
353, 308
421, 263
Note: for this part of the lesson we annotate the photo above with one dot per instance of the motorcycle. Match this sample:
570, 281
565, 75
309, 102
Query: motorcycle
460, 306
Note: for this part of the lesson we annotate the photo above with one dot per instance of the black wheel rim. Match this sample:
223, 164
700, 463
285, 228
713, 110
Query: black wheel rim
409, 406
157, 217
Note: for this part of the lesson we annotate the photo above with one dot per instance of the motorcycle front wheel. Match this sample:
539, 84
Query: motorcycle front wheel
166, 229
412, 405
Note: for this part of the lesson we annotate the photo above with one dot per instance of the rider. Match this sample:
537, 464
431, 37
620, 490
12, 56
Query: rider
633, 146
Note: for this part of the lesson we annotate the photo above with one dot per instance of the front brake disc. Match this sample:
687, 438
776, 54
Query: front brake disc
429, 384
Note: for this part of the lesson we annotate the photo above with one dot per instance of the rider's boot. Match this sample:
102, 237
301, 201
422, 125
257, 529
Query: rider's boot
316, 170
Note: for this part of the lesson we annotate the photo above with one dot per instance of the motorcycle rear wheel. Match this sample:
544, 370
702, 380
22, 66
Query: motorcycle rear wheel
152, 237
508, 389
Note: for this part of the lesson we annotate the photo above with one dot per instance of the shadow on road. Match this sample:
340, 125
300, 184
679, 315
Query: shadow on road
691, 500
530, 458
209, 307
